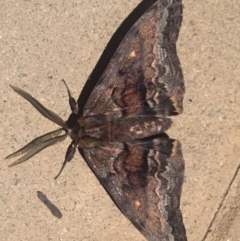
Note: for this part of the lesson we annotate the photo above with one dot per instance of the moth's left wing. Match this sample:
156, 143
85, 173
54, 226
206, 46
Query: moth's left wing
144, 179
144, 75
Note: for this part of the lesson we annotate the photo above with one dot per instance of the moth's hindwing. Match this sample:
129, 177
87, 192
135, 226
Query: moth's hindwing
144, 179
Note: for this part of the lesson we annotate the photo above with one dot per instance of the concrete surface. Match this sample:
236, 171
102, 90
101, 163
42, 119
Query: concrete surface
44, 41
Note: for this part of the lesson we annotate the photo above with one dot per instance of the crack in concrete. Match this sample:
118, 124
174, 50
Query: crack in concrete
221, 203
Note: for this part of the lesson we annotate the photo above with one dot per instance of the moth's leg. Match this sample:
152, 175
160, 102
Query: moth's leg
69, 155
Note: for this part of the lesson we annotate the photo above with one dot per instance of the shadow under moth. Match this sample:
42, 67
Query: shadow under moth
121, 131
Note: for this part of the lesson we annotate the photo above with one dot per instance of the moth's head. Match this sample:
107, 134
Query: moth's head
51, 138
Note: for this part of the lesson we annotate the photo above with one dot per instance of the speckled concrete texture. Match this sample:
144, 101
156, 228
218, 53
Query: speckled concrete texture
42, 42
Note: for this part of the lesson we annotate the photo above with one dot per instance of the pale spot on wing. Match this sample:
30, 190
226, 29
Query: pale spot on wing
133, 54
137, 203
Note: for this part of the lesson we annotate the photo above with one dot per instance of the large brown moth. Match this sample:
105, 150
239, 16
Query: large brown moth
120, 132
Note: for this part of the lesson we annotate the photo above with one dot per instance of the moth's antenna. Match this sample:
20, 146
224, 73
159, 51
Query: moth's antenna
42, 109
72, 101
37, 145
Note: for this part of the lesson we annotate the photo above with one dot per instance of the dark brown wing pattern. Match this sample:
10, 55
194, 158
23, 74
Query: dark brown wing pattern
144, 75
144, 179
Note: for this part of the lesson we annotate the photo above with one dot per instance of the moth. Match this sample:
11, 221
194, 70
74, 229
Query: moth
121, 130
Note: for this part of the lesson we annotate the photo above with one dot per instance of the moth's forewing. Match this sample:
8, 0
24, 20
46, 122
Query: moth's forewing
144, 75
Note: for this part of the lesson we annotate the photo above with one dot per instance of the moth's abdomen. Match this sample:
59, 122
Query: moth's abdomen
138, 127
117, 130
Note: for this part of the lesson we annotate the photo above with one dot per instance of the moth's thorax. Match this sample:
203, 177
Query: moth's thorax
88, 132
99, 130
